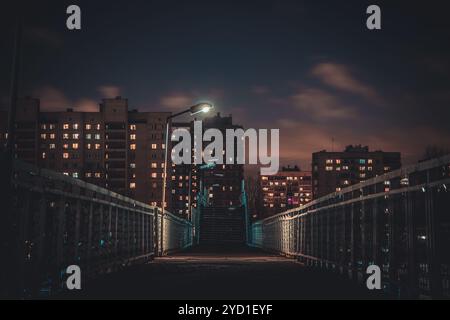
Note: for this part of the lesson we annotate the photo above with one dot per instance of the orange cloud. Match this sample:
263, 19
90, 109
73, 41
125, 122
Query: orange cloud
339, 76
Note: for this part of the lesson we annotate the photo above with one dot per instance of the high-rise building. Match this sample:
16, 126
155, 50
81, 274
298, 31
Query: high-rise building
287, 189
115, 148
333, 171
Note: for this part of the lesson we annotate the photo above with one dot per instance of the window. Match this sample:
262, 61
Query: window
154, 175
154, 165
43, 155
88, 146
43, 136
65, 146
75, 146
75, 126
133, 146
97, 146
51, 127
88, 127
132, 185
327, 168
65, 155
133, 127
75, 174
329, 161
98, 175
370, 161
43, 126
132, 137
163, 146
132, 165
66, 126
65, 136
154, 146
88, 136
52, 146
75, 136
97, 126
52, 136
97, 136
338, 161
88, 174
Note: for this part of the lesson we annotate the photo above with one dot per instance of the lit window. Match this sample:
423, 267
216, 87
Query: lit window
97, 136
88, 136
65, 155
75, 174
75, 136
88, 146
327, 168
65, 126
154, 146
154, 165
43, 155
75, 126
132, 185
132, 165
133, 146
65, 146
370, 161
387, 168
132, 137
98, 175
338, 189
133, 127
163, 146
88, 127
338, 161
362, 161
154, 175
88, 174
65, 136
43, 126
74, 145
97, 126
52, 146
43, 136
97, 146
52, 136
329, 161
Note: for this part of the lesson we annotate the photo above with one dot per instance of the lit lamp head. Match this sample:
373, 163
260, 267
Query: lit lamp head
201, 107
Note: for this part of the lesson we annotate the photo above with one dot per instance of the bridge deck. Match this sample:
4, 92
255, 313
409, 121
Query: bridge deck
242, 273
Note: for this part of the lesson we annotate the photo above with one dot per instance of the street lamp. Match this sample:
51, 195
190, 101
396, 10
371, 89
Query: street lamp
203, 107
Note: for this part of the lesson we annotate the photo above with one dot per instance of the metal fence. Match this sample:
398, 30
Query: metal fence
64, 221
399, 221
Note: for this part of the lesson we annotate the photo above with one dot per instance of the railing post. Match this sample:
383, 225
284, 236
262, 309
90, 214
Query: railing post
432, 232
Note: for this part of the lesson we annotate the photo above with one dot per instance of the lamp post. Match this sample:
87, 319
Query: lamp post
203, 107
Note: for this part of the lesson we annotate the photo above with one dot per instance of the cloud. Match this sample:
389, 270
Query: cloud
109, 91
260, 90
339, 77
176, 101
321, 104
53, 99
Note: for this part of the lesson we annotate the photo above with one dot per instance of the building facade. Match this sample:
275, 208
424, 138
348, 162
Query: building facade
115, 148
287, 189
333, 171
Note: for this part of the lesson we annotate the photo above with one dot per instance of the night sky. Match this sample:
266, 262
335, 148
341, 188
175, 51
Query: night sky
310, 68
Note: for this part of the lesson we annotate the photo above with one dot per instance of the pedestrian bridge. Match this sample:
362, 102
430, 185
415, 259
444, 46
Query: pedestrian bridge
399, 221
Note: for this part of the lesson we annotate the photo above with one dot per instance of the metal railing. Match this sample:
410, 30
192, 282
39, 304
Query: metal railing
399, 221
64, 221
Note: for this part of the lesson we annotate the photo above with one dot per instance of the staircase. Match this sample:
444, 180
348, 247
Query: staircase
222, 226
